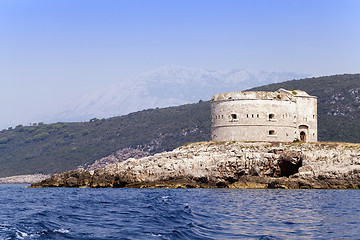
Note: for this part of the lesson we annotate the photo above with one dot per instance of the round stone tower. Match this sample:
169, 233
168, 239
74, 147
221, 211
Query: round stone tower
281, 116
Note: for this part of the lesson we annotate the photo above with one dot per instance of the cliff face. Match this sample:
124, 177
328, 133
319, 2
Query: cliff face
235, 164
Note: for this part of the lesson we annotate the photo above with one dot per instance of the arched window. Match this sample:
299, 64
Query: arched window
233, 116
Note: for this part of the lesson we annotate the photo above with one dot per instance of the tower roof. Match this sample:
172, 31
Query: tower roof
280, 94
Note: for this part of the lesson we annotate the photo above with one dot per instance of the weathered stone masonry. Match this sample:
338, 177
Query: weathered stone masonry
281, 116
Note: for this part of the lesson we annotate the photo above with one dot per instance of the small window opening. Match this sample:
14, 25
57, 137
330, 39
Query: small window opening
271, 116
313, 116
272, 132
252, 115
247, 115
257, 115
233, 116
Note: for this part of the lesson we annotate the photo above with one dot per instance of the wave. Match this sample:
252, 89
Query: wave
178, 214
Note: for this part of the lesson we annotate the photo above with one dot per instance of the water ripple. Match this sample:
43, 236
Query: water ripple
178, 214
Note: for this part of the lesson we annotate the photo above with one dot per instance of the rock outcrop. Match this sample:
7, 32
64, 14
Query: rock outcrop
230, 164
119, 156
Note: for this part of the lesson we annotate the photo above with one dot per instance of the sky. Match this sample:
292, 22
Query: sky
52, 51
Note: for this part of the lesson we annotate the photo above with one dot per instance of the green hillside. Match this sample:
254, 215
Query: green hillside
50, 148
338, 104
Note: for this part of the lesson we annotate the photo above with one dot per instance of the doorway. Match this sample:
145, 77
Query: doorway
304, 131
302, 136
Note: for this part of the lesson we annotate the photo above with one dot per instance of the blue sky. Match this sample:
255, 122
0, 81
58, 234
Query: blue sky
53, 50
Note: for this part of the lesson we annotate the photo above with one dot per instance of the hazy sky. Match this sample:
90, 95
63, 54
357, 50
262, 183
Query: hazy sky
51, 51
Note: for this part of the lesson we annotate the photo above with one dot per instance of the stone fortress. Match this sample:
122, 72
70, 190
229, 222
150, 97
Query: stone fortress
280, 116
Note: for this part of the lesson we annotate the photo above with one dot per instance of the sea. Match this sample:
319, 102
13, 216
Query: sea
266, 214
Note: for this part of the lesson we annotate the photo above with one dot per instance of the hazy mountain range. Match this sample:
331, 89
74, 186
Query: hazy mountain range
167, 86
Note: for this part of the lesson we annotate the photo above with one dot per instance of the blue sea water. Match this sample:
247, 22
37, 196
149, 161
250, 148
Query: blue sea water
66, 213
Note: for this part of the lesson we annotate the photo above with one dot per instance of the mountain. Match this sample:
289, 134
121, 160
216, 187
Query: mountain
50, 148
167, 86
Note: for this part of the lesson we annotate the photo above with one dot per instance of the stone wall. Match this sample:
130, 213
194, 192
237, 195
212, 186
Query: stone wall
306, 115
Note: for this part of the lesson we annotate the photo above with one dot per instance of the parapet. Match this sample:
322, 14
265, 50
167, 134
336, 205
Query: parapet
280, 94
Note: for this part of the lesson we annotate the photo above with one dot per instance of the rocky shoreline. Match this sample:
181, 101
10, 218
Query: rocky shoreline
228, 164
21, 179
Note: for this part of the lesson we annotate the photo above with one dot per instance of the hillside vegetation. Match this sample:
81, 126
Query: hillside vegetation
58, 147
338, 104
50, 148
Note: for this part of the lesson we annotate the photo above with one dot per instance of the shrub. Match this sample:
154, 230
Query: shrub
41, 136
4, 140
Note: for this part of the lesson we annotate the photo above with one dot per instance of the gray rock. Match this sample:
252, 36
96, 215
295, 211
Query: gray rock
238, 164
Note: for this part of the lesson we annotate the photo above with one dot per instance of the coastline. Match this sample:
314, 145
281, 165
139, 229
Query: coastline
228, 165
22, 179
